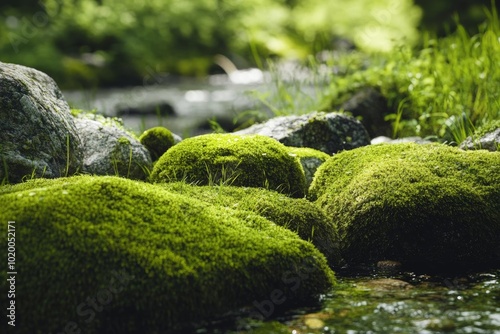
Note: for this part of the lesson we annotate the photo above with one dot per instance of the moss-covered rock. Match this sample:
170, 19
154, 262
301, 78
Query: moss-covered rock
157, 140
327, 132
239, 160
428, 205
149, 260
296, 214
310, 159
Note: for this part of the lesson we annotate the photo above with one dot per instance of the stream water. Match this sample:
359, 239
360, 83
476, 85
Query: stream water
186, 105
396, 303
183, 105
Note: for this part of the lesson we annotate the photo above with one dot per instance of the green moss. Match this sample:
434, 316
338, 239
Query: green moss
298, 215
76, 112
428, 205
186, 261
240, 160
486, 128
115, 122
123, 141
157, 140
306, 152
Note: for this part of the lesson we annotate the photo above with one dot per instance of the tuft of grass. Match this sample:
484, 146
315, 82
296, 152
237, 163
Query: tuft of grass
5, 179
34, 175
68, 156
116, 158
294, 88
215, 126
224, 175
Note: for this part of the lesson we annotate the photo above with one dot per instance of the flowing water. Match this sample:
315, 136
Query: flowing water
183, 105
186, 105
397, 303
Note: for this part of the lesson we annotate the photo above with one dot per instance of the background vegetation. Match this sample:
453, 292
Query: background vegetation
446, 88
88, 43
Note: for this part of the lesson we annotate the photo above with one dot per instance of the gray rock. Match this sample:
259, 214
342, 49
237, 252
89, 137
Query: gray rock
489, 141
38, 137
310, 165
177, 138
372, 107
109, 150
326, 132
386, 284
160, 108
310, 159
387, 140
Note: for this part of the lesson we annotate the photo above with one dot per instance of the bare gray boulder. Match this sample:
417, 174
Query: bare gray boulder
326, 132
108, 149
489, 141
38, 137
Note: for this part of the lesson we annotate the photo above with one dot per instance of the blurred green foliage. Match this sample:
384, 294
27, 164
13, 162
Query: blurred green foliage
371, 25
447, 88
91, 43
121, 42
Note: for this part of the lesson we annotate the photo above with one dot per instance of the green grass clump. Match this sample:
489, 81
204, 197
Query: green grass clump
296, 214
157, 140
425, 205
445, 88
186, 261
239, 160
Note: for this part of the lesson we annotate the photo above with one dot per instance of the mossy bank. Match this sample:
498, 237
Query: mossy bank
425, 205
182, 261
